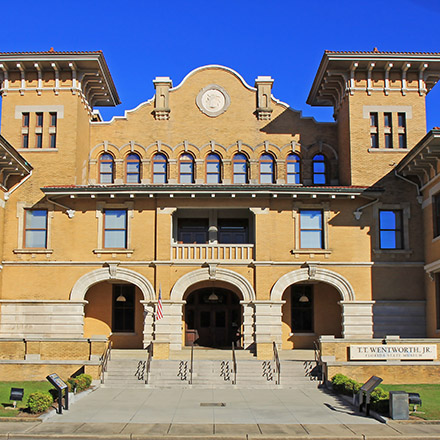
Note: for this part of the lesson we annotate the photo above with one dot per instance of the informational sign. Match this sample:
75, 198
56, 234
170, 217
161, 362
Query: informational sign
393, 351
55, 380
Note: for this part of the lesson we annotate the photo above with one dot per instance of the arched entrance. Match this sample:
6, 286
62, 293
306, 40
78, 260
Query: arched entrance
128, 323
311, 309
114, 309
213, 318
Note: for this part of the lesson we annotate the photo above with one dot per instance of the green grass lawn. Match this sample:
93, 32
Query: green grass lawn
430, 395
29, 388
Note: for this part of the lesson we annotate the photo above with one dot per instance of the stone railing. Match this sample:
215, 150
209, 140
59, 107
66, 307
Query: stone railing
212, 251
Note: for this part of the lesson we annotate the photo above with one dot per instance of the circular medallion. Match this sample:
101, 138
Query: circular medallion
213, 100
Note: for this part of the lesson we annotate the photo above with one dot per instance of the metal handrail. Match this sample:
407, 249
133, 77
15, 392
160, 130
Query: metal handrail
234, 364
148, 364
317, 352
104, 360
276, 359
192, 365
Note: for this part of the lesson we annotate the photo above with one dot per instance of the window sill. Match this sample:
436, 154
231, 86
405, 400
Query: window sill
113, 251
311, 251
33, 251
302, 334
393, 251
388, 150
34, 150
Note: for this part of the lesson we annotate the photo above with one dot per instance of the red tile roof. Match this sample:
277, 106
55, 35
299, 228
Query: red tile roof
51, 51
375, 51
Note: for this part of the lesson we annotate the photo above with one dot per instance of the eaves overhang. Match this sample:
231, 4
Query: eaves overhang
91, 66
338, 64
230, 191
12, 163
422, 160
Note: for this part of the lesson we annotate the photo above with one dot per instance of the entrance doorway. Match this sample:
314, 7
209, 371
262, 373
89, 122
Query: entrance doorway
212, 318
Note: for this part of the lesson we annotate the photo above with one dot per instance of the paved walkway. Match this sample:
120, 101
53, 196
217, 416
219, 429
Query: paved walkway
246, 414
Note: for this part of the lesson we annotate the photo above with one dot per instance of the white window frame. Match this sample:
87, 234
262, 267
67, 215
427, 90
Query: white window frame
101, 207
325, 209
21, 216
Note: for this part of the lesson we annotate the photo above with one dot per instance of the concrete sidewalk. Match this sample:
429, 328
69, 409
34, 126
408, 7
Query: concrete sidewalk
194, 413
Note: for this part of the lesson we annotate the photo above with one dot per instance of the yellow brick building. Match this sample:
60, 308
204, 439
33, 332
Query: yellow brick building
257, 225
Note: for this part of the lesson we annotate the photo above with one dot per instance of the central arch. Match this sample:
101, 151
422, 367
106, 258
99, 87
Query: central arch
210, 274
313, 273
225, 276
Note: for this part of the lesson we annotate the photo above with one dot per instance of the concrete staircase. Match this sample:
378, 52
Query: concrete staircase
212, 369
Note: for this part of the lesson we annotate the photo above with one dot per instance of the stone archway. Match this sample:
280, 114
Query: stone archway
115, 273
313, 273
173, 309
357, 316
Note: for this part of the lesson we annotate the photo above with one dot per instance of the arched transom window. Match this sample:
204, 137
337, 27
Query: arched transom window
186, 168
319, 170
132, 168
293, 168
267, 168
240, 168
106, 168
160, 168
213, 168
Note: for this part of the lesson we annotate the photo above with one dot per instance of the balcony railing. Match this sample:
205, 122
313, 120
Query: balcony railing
212, 251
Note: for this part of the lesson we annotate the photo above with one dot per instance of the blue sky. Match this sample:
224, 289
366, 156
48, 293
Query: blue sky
284, 39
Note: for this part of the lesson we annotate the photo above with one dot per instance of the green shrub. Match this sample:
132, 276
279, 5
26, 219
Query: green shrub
380, 400
338, 382
39, 402
79, 383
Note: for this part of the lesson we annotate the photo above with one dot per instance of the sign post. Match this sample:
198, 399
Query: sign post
60, 386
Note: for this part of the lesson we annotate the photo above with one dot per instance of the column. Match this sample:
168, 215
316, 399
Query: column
149, 309
248, 324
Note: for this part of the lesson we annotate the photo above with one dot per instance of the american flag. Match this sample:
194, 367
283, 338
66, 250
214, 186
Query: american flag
159, 310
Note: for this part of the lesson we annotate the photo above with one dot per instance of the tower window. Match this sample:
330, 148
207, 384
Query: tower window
374, 135
401, 118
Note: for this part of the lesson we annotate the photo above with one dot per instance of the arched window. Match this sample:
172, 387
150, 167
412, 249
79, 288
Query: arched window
132, 168
240, 168
213, 168
267, 168
293, 168
319, 170
186, 168
160, 168
106, 168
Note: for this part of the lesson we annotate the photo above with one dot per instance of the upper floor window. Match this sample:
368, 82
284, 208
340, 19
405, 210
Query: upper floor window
233, 231
25, 119
390, 229
192, 230
106, 168
115, 228
311, 230
132, 168
267, 168
401, 120
186, 168
293, 168
160, 168
39, 121
388, 129
240, 168
319, 170
35, 231
213, 168
374, 133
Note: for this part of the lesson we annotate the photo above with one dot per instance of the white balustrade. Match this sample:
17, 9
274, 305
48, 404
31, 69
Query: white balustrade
212, 251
